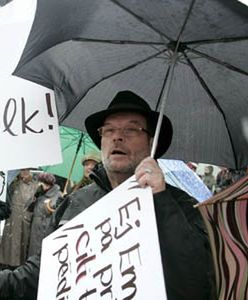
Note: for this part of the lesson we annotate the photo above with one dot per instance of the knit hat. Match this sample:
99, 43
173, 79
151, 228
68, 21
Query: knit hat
47, 178
91, 156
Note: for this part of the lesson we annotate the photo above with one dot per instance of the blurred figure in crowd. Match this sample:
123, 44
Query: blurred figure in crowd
4, 205
42, 206
192, 166
14, 243
237, 174
223, 179
88, 162
226, 177
208, 178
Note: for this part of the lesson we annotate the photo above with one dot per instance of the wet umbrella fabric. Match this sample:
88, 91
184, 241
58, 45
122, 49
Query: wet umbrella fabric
178, 174
92, 49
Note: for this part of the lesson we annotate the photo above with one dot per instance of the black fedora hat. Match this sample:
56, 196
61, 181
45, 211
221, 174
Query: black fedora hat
129, 101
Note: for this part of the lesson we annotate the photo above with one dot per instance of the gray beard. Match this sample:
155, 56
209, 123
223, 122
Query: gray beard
128, 170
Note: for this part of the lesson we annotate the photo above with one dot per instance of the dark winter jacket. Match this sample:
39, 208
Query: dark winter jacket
186, 257
41, 217
16, 231
4, 210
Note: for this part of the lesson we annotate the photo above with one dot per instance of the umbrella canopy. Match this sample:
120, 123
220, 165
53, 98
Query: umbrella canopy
178, 174
74, 145
225, 216
191, 53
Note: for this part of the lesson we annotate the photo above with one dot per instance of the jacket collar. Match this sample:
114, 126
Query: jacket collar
99, 175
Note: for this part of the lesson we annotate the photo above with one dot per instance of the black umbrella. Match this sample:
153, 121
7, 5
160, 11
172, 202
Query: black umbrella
192, 54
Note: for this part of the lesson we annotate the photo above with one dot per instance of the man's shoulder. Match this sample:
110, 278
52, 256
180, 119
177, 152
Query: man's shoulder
91, 191
180, 196
81, 199
186, 204
175, 200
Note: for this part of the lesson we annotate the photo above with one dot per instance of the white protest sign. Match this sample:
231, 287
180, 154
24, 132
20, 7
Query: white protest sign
16, 19
28, 125
109, 251
29, 133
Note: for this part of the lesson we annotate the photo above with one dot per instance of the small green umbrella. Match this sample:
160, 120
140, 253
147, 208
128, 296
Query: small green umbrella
74, 145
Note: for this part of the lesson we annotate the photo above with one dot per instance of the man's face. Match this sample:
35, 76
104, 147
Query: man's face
88, 166
120, 153
25, 175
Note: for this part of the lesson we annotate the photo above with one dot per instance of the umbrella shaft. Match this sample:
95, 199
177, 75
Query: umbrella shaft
165, 95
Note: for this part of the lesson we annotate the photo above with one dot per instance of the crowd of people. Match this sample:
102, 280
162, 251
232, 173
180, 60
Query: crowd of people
124, 132
14, 241
222, 180
32, 197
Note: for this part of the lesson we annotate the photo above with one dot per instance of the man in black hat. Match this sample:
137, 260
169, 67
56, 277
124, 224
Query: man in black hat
124, 132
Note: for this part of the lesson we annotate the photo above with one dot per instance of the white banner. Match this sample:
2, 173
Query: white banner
16, 19
109, 251
28, 125
29, 134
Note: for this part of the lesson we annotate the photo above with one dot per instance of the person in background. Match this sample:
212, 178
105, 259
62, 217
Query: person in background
192, 166
4, 209
223, 179
16, 232
88, 162
42, 206
208, 178
61, 181
124, 132
4, 205
236, 175
228, 176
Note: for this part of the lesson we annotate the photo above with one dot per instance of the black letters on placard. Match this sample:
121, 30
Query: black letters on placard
15, 120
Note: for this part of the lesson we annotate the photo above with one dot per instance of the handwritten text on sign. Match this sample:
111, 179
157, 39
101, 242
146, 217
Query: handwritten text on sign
28, 118
109, 251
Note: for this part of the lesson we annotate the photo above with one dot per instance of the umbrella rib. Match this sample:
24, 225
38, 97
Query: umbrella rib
133, 65
141, 19
168, 81
185, 20
114, 74
218, 61
73, 162
215, 41
206, 88
121, 42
